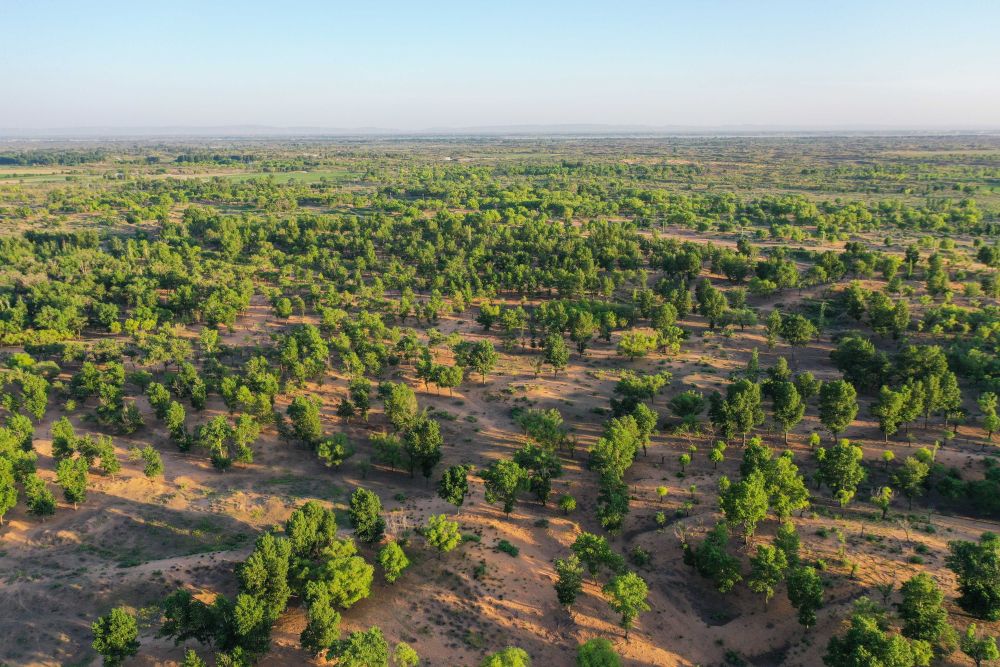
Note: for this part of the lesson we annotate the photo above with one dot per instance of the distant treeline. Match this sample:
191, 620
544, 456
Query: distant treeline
44, 158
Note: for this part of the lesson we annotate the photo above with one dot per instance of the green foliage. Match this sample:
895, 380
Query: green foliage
627, 595
442, 534
597, 652
977, 566
509, 657
116, 636
393, 560
867, 641
365, 513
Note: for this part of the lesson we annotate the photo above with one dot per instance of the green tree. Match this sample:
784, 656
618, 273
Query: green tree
152, 463
888, 409
264, 574
805, 592
38, 498
740, 412
509, 657
422, 444
8, 490
838, 405
797, 331
595, 552
365, 513
453, 486
71, 474
303, 412
788, 406
322, 620
555, 353
405, 656
191, 659
569, 580
841, 469
627, 595
597, 652
979, 649
977, 566
504, 479
882, 498
911, 478
393, 560
442, 534
921, 611
767, 570
711, 559
868, 642
116, 636
400, 404
745, 503
362, 649
787, 540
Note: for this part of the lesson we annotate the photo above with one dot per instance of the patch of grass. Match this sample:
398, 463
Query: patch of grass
508, 548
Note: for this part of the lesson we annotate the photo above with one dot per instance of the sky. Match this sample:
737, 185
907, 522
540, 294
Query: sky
417, 65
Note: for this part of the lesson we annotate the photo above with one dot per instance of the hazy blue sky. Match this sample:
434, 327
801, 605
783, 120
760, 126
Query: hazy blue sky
413, 65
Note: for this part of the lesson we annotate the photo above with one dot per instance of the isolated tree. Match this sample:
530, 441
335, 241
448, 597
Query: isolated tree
191, 659
71, 474
405, 655
400, 405
555, 353
805, 592
482, 358
569, 581
442, 534
362, 649
712, 560
597, 652
509, 657
322, 621
797, 331
988, 406
38, 497
303, 412
788, 406
911, 478
841, 469
688, 406
772, 327
365, 513
787, 540
922, 612
740, 411
977, 566
627, 595
453, 486
767, 570
116, 636
8, 490
868, 642
979, 649
745, 503
595, 553
882, 498
838, 405
888, 409
422, 444
393, 560
504, 479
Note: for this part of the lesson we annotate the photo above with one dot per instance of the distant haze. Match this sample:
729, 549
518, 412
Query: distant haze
116, 68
